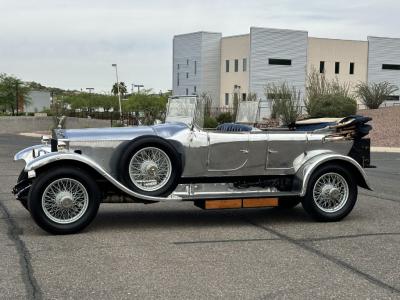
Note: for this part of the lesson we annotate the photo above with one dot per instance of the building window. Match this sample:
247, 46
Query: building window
178, 78
227, 65
195, 67
393, 97
195, 89
226, 99
390, 67
337, 67
244, 64
322, 67
282, 62
244, 96
187, 91
351, 68
187, 75
187, 62
236, 65
179, 66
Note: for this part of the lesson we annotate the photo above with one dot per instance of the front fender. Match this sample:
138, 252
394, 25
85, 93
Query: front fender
32, 153
52, 157
305, 171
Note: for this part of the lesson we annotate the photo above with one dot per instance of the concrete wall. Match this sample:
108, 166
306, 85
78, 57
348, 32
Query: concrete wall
342, 51
234, 47
383, 51
196, 60
35, 124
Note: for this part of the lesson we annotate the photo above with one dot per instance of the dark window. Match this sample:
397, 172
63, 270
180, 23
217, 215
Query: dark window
236, 65
322, 67
393, 97
283, 62
178, 79
227, 65
194, 89
187, 75
187, 91
390, 67
178, 66
226, 99
351, 68
244, 96
195, 67
337, 67
244, 64
187, 62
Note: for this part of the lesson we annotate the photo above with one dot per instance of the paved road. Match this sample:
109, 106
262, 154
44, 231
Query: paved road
179, 251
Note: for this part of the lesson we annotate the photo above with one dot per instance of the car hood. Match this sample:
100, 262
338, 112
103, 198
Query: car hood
118, 133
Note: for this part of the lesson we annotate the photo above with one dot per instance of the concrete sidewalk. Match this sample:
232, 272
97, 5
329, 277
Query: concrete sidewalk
386, 149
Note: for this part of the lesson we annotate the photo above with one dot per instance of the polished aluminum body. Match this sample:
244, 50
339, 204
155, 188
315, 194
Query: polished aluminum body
206, 154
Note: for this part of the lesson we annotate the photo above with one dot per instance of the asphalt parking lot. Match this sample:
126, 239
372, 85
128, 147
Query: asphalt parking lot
176, 250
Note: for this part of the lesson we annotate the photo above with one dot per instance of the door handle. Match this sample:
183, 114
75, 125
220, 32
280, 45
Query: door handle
244, 151
272, 151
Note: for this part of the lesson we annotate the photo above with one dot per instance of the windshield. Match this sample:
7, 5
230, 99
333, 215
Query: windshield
184, 109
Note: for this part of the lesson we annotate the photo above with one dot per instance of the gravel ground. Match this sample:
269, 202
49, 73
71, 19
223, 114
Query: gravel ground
385, 126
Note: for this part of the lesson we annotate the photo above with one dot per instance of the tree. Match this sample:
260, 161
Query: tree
11, 89
149, 107
374, 94
122, 89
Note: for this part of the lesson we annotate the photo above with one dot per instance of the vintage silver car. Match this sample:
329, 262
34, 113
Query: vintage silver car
234, 166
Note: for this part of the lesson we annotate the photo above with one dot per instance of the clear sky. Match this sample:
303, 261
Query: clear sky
72, 43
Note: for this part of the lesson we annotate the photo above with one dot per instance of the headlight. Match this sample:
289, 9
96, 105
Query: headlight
45, 139
61, 146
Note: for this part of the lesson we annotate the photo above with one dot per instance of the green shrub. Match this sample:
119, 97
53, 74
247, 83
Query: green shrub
225, 117
210, 122
334, 106
374, 94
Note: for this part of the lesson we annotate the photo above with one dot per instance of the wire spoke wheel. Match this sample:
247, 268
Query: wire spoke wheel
330, 192
150, 169
65, 200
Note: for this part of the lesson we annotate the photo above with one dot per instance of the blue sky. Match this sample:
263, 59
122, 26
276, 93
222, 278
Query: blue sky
72, 44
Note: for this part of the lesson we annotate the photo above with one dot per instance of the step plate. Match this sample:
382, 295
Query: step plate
236, 203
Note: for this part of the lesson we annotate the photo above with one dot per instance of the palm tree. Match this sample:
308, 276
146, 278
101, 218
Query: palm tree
122, 88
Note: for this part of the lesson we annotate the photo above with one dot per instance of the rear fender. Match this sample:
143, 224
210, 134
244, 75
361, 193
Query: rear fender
306, 170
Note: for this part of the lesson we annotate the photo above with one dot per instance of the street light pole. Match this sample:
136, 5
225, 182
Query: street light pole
90, 90
138, 87
119, 94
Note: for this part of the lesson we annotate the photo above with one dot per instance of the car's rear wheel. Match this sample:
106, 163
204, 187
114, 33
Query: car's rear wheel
64, 200
331, 193
151, 167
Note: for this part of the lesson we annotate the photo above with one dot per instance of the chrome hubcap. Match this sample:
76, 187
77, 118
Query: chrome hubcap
150, 169
65, 200
330, 192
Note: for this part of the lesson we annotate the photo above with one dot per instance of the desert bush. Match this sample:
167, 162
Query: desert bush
334, 106
374, 94
284, 102
225, 117
210, 122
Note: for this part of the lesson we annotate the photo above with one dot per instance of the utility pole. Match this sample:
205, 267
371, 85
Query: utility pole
16, 96
138, 87
119, 94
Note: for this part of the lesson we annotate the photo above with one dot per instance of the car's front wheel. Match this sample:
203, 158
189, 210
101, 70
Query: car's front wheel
64, 200
331, 193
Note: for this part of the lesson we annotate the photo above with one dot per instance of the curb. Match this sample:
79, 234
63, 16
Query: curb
386, 149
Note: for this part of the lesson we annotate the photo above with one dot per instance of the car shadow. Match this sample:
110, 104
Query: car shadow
174, 218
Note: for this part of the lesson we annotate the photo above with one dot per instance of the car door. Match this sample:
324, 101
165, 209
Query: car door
227, 151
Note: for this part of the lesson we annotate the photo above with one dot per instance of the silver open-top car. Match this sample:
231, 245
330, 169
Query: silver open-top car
234, 166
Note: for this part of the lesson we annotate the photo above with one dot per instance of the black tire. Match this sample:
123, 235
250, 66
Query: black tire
310, 204
45, 179
288, 202
170, 151
24, 198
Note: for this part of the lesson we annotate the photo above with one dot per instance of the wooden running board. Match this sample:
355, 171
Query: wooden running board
236, 203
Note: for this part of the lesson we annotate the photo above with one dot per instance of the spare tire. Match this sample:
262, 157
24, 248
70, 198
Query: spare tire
150, 166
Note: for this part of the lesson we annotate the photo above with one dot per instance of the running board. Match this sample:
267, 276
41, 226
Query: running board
237, 203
